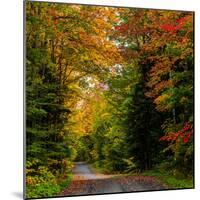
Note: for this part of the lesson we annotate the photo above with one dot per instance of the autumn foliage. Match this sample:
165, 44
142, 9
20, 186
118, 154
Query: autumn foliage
111, 86
182, 135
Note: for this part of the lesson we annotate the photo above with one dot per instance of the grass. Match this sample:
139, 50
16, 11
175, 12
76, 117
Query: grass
97, 169
165, 178
42, 190
47, 189
102, 170
170, 181
64, 182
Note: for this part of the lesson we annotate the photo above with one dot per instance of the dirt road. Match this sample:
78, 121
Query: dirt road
82, 171
85, 181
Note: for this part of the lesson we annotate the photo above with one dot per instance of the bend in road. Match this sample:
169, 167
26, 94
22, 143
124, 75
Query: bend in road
82, 171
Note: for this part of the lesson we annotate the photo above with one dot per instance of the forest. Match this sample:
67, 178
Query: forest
110, 86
